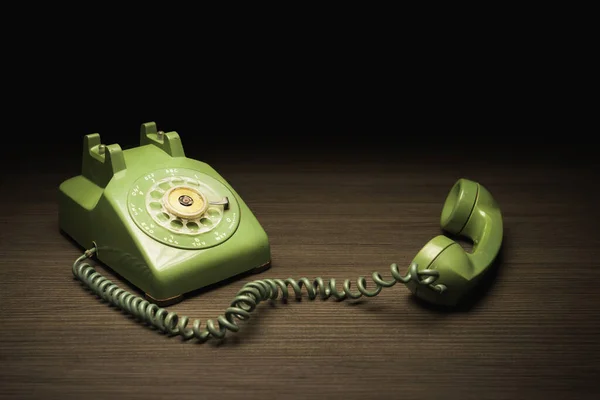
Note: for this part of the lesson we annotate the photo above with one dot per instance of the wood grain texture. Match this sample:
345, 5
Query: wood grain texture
532, 332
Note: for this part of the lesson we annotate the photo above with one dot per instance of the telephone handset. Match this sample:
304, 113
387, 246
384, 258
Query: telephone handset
170, 225
469, 211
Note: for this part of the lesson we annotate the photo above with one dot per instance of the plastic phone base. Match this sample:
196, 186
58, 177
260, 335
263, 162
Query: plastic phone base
166, 223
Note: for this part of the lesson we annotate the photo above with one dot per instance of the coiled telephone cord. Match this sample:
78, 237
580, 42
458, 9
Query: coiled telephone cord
245, 301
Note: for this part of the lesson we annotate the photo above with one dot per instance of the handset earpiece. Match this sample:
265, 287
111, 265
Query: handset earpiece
470, 211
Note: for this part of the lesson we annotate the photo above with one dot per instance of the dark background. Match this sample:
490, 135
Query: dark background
524, 115
526, 103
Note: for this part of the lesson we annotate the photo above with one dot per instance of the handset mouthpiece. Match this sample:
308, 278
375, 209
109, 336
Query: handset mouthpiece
469, 211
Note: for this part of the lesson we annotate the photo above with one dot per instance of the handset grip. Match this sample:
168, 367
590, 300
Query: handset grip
471, 211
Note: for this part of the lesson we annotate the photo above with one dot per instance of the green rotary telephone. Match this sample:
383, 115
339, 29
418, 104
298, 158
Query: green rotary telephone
170, 225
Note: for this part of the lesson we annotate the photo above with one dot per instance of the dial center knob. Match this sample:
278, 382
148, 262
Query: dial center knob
185, 202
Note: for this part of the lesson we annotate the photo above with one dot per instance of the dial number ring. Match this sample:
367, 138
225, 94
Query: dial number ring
173, 206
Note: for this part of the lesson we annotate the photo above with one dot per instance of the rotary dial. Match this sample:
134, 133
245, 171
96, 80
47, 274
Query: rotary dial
183, 208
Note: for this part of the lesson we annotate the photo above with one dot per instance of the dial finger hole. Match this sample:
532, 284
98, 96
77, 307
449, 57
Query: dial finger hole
156, 194
165, 185
156, 205
213, 213
162, 217
206, 222
177, 181
192, 226
177, 224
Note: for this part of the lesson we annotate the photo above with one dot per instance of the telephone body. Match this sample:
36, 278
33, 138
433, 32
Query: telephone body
166, 223
170, 225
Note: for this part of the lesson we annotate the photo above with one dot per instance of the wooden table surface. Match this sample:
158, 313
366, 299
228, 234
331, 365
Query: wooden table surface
533, 331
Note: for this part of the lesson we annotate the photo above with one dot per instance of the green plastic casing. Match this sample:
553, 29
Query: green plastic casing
469, 211
94, 210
